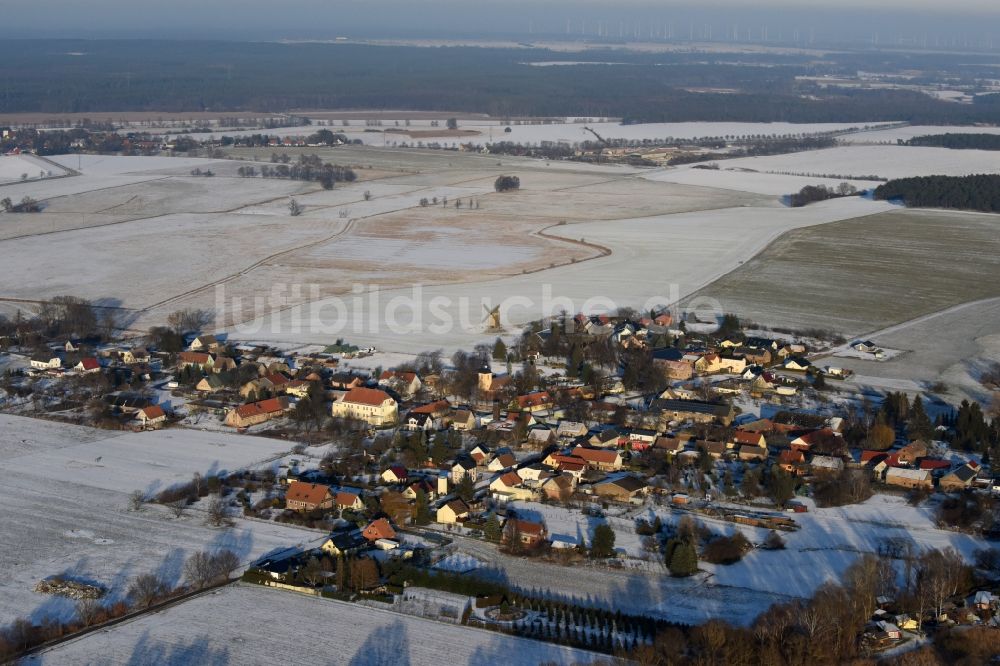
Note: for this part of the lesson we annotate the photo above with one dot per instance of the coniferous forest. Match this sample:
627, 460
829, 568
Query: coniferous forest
978, 192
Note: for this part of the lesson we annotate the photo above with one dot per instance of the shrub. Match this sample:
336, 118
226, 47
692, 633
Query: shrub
726, 549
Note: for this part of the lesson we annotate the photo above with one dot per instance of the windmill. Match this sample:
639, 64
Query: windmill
492, 319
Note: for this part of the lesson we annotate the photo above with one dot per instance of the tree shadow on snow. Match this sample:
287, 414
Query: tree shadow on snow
197, 651
388, 644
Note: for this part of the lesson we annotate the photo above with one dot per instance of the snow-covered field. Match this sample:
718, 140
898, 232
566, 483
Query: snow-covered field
829, 541
954, 345
65, 491
491, 131
883, 161
110, 460
732, 178
908, 132
274, 625
654, 261
17, 168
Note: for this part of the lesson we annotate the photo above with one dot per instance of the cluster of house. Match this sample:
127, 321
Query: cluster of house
85, 357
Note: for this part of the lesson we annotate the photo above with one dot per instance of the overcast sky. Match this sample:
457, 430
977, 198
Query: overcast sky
324, 19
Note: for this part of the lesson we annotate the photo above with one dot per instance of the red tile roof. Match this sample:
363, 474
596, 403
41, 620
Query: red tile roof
269, 406
90, 363
152, 412
379, 529
309, 493
510, 479
346, 499
366, 396
606, 456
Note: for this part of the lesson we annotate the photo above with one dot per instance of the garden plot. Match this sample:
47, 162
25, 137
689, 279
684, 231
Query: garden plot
350, 634
731, 178
883, 268
882, 161
579, 527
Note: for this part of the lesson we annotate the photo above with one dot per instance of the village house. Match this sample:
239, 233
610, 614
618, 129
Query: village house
909, 478
151, 416
405, 384
750, 452
346, 381
301, 496
204, 343
570, 430
452, 512
559, 488
526, 532
45, 362
342, 544
694, 410
749, 438
462, 420
374, 407
257, 412
345, 500
624, 489
671, 445
378, 529
191, 359
826, 465
671, 363
533, 402
539, 437
134, 356
416, 421
535, 474
606, 438
959, 479
395, 474
792, 461
911, 454
88, 365
464, 466
502, 461
606, 460
796, 364
210, 384
509, 487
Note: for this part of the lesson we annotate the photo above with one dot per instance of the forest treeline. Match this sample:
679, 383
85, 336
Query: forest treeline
979, 192
963, 141
167, 76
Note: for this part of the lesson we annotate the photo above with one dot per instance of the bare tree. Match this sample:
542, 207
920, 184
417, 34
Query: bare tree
218, 513
178, 507
136, 499
199, 569
87, 611
294, 209
941, 574
146, 589
224, 563
189, 320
